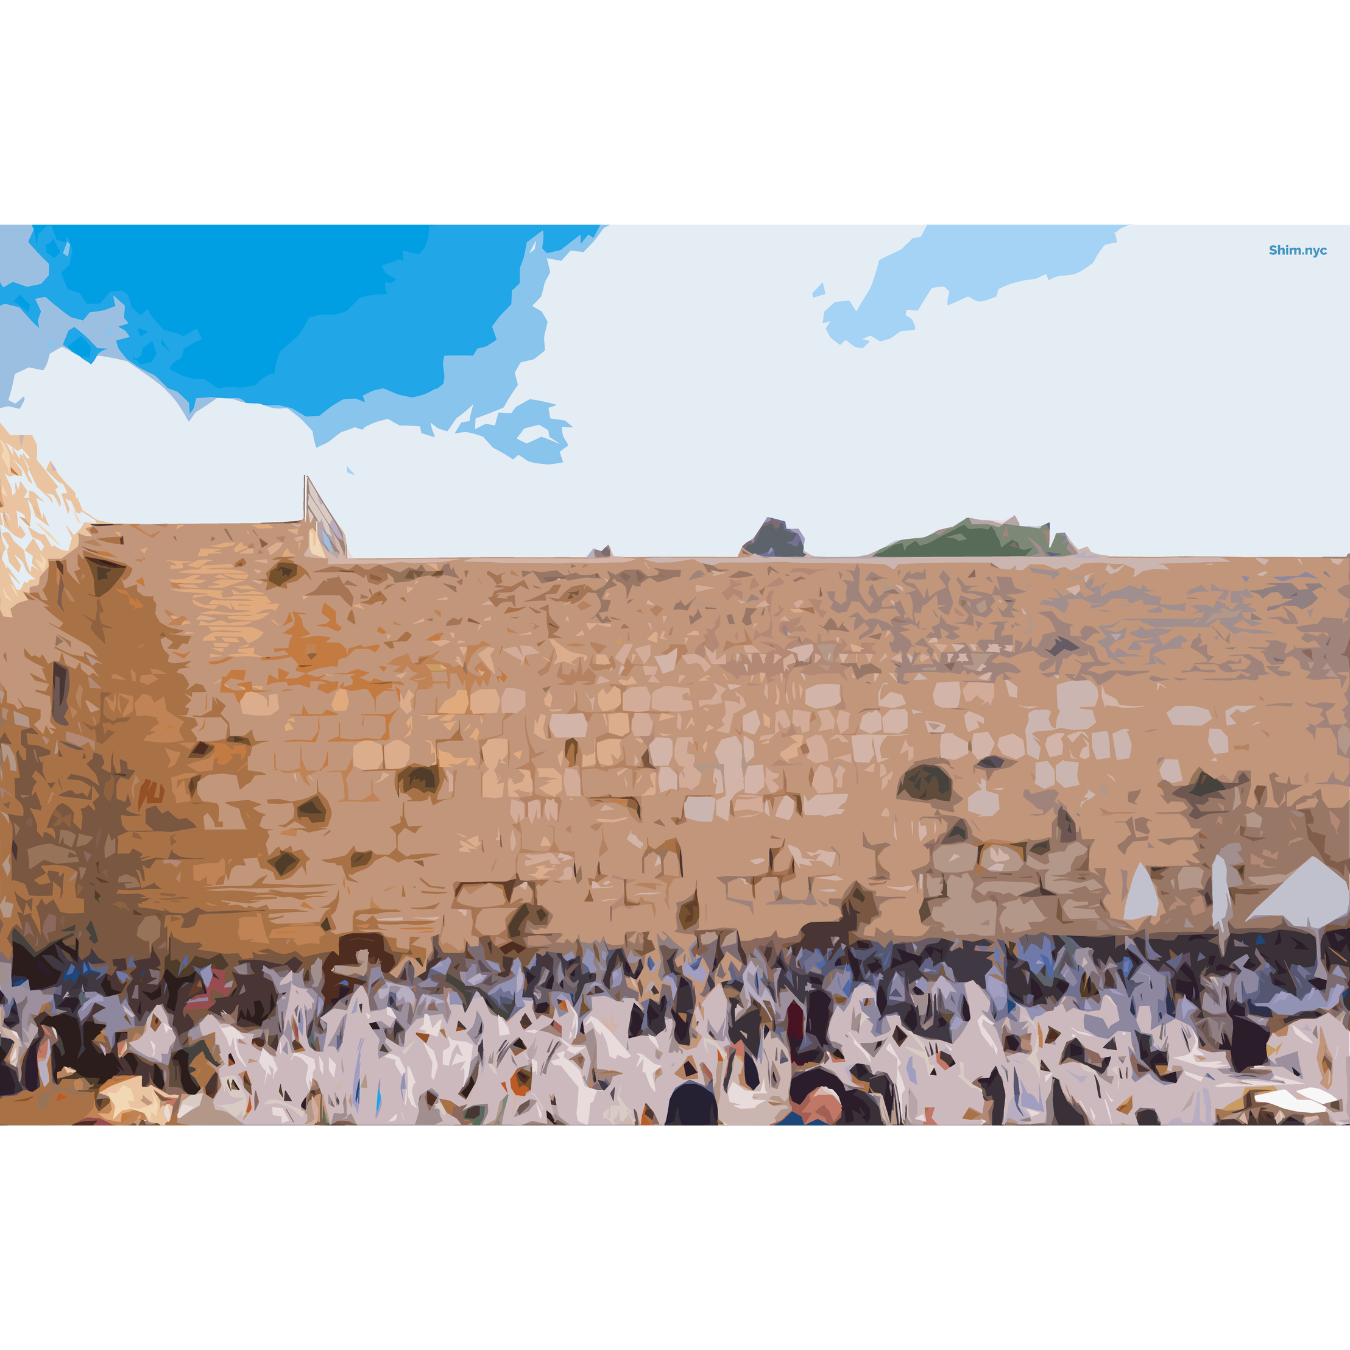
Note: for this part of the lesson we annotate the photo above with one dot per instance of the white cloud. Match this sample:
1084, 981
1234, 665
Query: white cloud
1177, 396
1148, 404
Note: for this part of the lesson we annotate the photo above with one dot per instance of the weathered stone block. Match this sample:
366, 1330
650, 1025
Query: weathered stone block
368, 755
607, 890
493, 922
999, 887
1081, 886
545, 866
1018, 915
646, 891
564, 895
212, 933
641, 918
456, 929
607, 782
1003, 858
955, 857
671, 699
898, 918
829, 890
965, 916
1079, 910
481, 896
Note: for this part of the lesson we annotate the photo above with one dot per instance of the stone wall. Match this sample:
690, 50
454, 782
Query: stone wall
267, 746
49, 781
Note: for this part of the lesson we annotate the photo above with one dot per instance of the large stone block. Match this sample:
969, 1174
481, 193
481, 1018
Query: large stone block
899, 918
766, 890
1079, 886
1002, 858
671, 699
639, 918
561, 898
208, 934
545, 867
1021, 914
607, 890
1085, 911
998, 887
830, 890
648, 891
964, 916
600, 782
955, 857
457, 928
718, 911
680, 890
484, 895
493, 923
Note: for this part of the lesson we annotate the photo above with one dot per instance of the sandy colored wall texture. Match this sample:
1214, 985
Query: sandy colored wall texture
266, 747
40, 517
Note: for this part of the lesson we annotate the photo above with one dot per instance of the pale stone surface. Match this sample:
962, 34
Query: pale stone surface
1186, 716
1001, 858
955, 857
822, 696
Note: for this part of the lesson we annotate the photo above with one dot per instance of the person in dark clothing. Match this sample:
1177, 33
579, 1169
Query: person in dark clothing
860, 1108
836, 1104
817, 1098
691, 1104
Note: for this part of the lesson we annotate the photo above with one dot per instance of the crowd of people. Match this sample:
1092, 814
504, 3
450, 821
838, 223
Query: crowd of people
701, 1032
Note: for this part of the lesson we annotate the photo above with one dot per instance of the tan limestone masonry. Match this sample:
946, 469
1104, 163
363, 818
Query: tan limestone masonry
265, 747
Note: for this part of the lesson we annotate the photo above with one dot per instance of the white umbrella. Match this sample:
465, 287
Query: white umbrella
1223, 902
1312, 898
1142, 901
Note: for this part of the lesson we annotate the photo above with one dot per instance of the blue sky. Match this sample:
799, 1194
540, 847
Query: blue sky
300, 317
664, 389
969, 262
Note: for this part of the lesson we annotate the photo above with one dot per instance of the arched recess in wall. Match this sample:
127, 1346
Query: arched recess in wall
926, 783
419, 781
